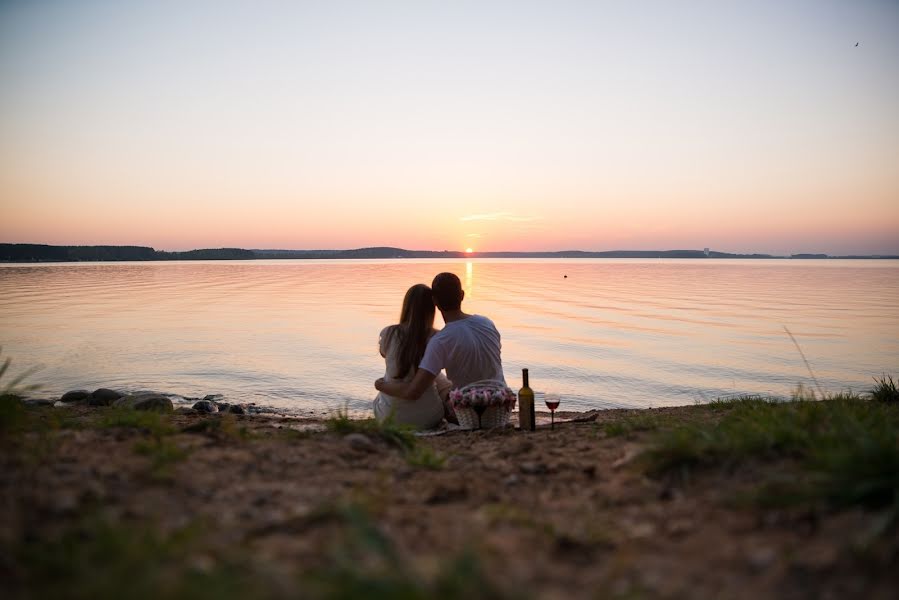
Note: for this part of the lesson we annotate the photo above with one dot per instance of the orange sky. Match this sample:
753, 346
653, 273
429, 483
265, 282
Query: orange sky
579, 126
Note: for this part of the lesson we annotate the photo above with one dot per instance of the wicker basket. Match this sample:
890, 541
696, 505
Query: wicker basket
488, 417
492, 417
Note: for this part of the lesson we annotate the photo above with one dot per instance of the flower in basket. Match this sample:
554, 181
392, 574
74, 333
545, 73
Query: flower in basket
476, 397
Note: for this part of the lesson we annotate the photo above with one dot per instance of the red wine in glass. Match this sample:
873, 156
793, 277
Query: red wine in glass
552, 403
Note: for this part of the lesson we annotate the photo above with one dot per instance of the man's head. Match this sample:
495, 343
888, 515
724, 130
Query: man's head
448, 292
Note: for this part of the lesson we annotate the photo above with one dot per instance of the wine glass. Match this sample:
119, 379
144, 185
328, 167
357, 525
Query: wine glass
552, 403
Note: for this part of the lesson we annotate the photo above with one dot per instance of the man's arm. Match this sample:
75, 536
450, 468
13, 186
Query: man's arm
411, 390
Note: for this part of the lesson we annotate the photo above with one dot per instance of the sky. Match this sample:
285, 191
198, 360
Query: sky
530, 126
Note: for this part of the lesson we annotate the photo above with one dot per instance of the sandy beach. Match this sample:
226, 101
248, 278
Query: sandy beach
97, 499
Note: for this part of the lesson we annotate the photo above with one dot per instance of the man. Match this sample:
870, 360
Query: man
468, 347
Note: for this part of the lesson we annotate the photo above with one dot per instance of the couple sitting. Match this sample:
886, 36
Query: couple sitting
413, 390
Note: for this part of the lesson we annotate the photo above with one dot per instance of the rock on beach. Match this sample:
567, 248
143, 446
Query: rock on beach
103, 397
206, 406
155, 402
75, 396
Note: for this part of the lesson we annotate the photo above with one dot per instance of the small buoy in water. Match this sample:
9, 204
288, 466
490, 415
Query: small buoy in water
565, 276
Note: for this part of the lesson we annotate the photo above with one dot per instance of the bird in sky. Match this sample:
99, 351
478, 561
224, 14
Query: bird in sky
856, 44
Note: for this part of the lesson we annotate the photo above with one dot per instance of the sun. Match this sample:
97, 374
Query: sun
468, 251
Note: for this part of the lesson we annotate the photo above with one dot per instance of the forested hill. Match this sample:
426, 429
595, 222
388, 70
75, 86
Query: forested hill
45, 253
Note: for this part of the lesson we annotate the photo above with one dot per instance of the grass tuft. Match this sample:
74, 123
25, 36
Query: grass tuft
885, 390
154, 423
630, 425
13, 416
365, 563
16, 387
223, 426
845, 444
162, 452
96, 560
426, 457
399, 436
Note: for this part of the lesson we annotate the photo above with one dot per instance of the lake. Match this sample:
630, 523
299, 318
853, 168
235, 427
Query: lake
301, 336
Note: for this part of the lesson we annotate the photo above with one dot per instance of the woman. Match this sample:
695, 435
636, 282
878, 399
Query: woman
402, 346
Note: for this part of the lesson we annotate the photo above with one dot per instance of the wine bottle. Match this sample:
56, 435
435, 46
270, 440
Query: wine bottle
527, 419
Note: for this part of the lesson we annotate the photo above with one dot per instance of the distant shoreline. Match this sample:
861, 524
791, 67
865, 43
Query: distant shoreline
32, 253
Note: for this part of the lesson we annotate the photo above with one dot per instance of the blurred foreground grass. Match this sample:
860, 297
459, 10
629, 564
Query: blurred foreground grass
95, 559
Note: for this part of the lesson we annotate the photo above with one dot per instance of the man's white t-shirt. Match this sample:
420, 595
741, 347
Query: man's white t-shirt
469, 350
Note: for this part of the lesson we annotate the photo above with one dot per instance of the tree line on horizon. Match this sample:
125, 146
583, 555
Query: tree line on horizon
48, 253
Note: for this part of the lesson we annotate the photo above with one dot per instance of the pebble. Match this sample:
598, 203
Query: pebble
639, 531
761, 558
201, 563
206, 406
64, 502
629, 455
817, 558
680, 527
446, 495
531, 468
359, 442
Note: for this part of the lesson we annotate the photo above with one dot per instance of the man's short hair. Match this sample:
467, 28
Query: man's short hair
447, 290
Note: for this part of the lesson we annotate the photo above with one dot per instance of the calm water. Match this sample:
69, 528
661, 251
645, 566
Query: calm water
302, 335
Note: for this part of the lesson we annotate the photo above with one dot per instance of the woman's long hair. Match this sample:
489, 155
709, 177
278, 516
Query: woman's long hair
415, 327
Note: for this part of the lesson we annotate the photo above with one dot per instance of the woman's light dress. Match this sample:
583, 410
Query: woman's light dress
424, 413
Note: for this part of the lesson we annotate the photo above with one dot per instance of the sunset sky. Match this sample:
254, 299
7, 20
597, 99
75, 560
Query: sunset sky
740, 126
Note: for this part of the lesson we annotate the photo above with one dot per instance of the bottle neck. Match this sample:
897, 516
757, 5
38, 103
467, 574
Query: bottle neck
524, 377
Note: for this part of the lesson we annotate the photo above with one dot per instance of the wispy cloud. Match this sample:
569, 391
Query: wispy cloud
473, 235
501, 216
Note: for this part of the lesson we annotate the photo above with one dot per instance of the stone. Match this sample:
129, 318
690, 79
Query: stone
680, 527
155, 402
532, 468
75, 396
761, 558
640, 531
446, 495
237, 409
34, 402
63, 503
103, 397
359, 442
629, 455
185, 410
223, 406
206, 406
817, 557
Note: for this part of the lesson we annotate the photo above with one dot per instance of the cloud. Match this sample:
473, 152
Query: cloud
474, 235
501, 216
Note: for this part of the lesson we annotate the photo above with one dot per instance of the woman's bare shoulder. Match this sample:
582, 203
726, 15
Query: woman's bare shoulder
388, 334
